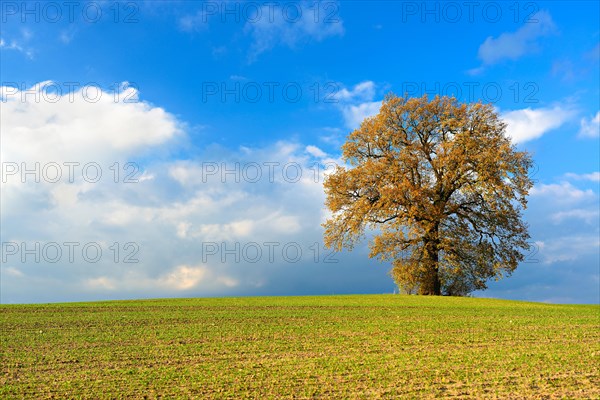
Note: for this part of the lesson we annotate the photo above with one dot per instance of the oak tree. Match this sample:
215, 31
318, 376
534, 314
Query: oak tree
443, 188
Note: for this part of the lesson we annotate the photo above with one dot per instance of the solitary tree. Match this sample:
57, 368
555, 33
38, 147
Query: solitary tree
443, 187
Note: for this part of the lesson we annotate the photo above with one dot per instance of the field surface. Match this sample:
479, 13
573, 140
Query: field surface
362, 346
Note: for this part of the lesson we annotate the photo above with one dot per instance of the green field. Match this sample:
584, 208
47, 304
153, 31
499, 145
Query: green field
360, 346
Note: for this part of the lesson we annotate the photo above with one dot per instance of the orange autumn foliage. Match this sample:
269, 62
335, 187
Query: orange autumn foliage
444, 189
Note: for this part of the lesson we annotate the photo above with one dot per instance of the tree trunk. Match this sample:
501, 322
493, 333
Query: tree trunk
430, 284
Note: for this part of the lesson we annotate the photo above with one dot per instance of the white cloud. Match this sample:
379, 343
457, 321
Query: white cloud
17, 46
513, 45
562, 193
528, 124
354, 115
228, 282
592, 176
169, 215
196, 22
66, 36
12, 271
360, 92
567, 248
333, 136
587, 215
288, 29
577, 215
44, 123
183, 229
236, 230
590, 127
357, 103
179, 278
270, 24
315, 151
102, 283
183, 277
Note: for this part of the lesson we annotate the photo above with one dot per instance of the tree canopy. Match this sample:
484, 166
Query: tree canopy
443, 188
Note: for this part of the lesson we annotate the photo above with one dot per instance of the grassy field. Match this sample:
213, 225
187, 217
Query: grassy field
362, 346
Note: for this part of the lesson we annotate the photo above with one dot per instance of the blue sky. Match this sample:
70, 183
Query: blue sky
229, 113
